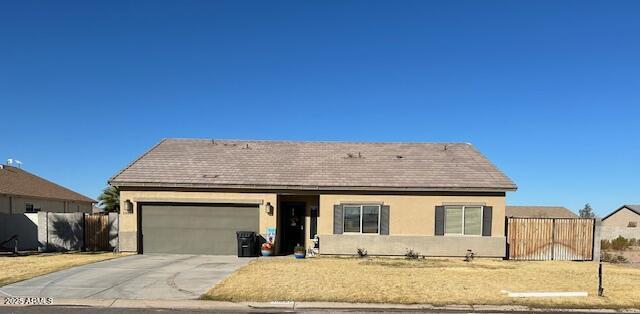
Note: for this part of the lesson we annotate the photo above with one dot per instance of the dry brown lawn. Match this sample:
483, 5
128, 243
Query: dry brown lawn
18, 268
428, 281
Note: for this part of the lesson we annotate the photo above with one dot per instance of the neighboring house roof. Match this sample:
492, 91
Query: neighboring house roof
314, 165
16, 181
633, 208
539, 212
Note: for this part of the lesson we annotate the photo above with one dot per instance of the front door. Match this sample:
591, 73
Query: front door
292, 222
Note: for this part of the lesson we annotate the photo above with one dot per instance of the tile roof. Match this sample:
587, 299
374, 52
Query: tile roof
635, 208
539, 212
314, 165
16, 181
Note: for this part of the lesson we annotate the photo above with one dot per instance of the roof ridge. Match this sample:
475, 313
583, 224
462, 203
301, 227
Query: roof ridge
319, 141
627, 206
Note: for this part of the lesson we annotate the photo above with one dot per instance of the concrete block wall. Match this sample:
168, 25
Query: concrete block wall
23, 225
65, 231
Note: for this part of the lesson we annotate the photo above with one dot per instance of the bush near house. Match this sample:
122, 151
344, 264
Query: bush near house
618, 244
620, 250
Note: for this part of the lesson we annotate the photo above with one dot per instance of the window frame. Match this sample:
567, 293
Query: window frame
361, 216
464, 207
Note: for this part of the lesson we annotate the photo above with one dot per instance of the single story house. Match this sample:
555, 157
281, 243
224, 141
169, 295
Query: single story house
24, 192
622, 222
539, 212
624, 216
192, 195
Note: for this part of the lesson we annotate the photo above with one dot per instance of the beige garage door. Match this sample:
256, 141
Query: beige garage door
195, 229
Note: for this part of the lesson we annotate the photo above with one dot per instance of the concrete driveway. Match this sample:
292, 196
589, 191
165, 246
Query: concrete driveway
153, 276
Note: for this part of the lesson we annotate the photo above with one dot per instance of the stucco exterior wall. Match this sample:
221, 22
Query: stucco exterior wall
412, 226
17, 205
411, 221
444, 246
622, 218
618, 225
412, 214
129, 223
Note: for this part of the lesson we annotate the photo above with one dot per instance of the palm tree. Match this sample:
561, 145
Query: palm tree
110, 199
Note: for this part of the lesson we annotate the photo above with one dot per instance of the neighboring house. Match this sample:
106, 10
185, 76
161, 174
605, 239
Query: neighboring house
624, 221
624, 216
539, 212
192, 195
24, 192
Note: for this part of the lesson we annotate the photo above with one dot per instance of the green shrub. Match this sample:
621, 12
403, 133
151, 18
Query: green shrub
411, 254
619, 259
620, 244
613, 258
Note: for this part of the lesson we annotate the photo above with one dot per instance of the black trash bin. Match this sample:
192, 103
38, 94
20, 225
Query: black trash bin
247, 244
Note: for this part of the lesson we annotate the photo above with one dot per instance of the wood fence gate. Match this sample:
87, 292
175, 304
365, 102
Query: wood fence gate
96, 232
539, 239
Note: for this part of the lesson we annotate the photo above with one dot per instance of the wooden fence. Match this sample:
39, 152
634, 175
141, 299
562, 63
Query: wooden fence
96, 232
566, 239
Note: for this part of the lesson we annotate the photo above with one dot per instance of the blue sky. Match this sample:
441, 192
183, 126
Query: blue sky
548, 90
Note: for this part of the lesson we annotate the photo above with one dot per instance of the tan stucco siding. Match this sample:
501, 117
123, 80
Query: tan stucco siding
129, 223
622, 218
18, 205
411, 215
411, 219
341, 244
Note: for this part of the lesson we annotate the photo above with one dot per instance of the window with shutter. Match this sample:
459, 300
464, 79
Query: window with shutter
463, 220
363, 219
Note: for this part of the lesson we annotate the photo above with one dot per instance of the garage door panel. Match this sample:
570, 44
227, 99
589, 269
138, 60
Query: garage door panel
197, 221
195, 229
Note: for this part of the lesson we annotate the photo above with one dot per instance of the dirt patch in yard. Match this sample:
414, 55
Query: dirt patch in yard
18, 268
429, 281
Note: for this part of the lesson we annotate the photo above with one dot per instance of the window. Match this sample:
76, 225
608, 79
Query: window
361, 218
29, 208
632, 224
463, 220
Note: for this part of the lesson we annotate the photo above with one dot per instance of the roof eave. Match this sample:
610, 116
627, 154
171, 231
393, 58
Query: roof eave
619, 209
311, 188
88, 200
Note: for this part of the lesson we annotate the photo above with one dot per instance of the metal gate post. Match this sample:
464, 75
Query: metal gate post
553, 238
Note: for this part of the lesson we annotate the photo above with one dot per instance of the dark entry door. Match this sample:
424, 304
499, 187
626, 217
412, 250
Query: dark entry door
292, 223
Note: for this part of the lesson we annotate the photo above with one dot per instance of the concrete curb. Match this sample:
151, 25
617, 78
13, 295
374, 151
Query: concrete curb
247, 306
